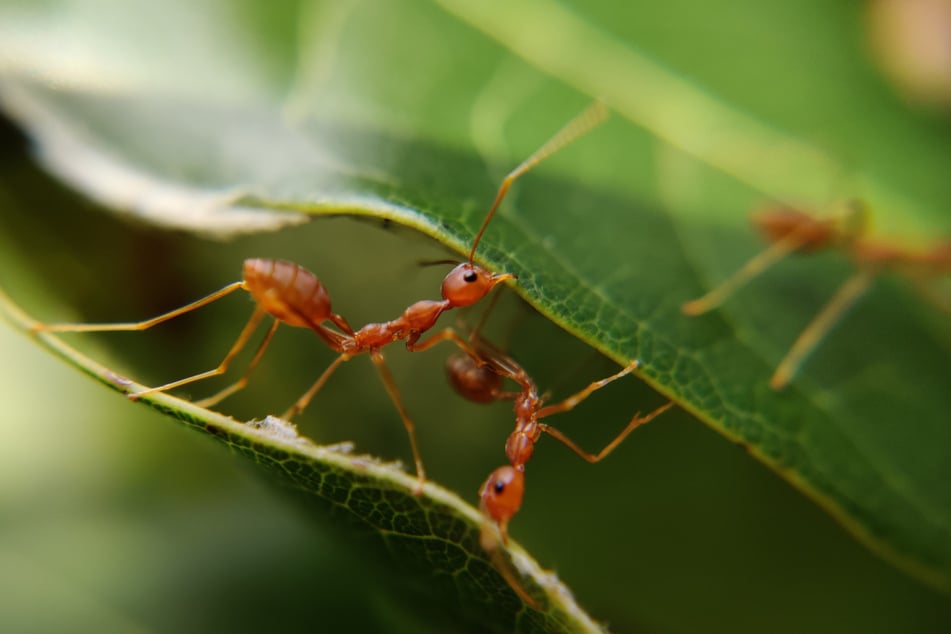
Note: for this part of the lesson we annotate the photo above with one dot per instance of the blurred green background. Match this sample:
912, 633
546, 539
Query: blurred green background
126, 522
113, 519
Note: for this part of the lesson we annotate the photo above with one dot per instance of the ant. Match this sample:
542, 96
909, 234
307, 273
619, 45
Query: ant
791, 230
481, 379
292, 295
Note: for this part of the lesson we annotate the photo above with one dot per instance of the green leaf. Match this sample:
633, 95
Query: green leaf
323, 110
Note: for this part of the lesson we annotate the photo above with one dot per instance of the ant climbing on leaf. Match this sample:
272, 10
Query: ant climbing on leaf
482, 381
791, 230
292, 295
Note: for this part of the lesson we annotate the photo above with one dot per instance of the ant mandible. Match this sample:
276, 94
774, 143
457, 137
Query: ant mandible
292, 295
791, 230
500, 497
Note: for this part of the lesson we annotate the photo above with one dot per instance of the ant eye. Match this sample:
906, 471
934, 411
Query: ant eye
499, 487
471, 276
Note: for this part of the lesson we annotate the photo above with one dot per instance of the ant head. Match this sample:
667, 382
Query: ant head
468, 283
502, 494
852, 220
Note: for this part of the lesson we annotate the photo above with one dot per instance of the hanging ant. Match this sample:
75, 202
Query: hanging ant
791, 230
481, 380
295, 296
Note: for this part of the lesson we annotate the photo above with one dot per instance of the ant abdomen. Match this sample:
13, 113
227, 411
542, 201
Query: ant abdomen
287, 291
477, 383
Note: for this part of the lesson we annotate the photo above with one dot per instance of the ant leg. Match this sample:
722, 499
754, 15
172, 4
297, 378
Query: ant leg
637, 421
474, 382
590, 117
304, 400
474, 336
475, 339
139, 325
930, 294
486, 357
240, 383
756, 265
394, 393
238, 345
340, 323
574, 399
848, 293
490, 544
444, 335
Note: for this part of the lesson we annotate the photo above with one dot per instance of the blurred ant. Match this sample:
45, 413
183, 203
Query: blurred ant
791, 230
482, 381
295, 296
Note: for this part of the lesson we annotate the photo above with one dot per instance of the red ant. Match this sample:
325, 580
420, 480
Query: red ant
295, 296
481, 380
791, 230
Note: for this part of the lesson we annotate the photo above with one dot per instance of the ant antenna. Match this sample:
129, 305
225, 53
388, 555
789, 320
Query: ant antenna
436, 262
592, 116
